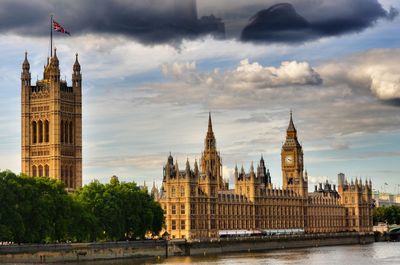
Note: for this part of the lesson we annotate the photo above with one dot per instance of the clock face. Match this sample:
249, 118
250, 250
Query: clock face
289, 159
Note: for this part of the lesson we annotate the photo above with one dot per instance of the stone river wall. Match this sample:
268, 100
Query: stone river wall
151, 249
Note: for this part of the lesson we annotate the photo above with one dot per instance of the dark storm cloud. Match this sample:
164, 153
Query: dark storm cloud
282, 23
170, 21
148, 21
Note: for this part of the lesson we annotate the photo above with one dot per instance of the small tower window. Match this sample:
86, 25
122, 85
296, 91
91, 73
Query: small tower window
40, 171
34, 171
62, 131
34, 132
46, 170
71, 176
66, 177
70, 133
40, 125
46, 131
66, 132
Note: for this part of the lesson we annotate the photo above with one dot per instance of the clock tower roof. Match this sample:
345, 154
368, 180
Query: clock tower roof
291, 127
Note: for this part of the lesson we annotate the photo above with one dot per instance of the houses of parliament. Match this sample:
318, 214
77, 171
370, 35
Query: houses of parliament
198, 203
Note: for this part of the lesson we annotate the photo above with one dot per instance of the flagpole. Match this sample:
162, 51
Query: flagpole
51, 35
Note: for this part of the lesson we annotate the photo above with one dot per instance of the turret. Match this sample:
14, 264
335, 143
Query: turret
187, 169
252, 174
25, 74
196, 168
268, 178
52, 70
176, 169
236, 174
76, 74
291, 130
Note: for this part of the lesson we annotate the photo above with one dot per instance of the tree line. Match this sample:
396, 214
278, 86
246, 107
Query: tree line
39, 210
387, 214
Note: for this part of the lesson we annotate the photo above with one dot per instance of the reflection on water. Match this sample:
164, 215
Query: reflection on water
373, 254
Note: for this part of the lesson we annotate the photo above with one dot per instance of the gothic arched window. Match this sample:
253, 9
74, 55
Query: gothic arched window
47, 170
40, 171
34, 171
66, 132
40, 125
46, 131
66, 176
34, 132
62, 131
70, 133
71, 177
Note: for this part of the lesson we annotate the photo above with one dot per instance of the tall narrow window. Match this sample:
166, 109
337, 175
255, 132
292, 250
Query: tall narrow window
71, 176
34, 171
46, 131
66, 176
34, 132
40, 171
46, 170
62, 131
40, 125
66, 132
70, 132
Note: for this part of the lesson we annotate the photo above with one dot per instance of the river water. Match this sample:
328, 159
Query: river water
381, 253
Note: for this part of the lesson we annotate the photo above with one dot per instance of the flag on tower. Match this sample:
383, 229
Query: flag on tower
58, 28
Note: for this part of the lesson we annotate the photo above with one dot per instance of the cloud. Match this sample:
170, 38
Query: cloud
316, 180
248, 74
340, 145
282, 23
147, 21
153, 22
375, 70
344, 104
288, 73
279, 23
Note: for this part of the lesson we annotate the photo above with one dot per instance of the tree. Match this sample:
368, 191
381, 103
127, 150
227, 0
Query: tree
39, 210
387, 214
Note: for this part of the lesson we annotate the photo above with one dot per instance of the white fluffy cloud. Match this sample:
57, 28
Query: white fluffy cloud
288, 73
376, 70
247, 75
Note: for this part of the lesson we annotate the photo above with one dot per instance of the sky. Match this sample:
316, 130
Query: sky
153, 70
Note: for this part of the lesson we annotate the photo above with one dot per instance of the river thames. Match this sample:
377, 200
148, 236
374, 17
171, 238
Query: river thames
372, 254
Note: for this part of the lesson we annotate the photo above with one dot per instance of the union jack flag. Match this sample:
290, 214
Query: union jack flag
58, 28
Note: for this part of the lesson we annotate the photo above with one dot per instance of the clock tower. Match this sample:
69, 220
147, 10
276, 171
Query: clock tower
292, 162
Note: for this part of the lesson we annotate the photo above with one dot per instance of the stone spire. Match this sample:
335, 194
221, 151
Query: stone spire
187, 169
77, 66
176, 169
54, 59
25, 65
291, 127
196, 168
210, 138
26, 75
209, 122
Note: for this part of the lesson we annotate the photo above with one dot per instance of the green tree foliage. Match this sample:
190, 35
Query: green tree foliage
39, 210
121, 210
387, 214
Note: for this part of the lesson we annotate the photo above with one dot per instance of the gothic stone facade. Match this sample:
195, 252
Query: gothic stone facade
198, 203
51, 119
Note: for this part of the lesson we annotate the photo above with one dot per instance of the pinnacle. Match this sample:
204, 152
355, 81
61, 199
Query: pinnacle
291, 127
